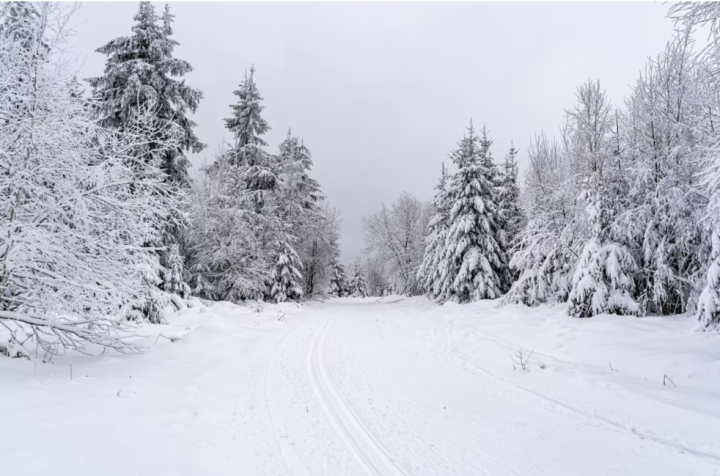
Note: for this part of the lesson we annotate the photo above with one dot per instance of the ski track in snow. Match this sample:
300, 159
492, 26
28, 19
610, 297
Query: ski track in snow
353, 387
367, 450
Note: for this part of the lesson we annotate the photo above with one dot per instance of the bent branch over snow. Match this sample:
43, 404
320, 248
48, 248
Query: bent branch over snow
54, 336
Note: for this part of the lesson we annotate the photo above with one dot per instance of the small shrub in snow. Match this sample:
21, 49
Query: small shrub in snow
521, 358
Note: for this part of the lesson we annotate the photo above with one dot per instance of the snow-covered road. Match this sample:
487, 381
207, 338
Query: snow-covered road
350, 387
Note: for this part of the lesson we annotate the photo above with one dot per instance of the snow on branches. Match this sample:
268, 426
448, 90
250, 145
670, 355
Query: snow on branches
79, 206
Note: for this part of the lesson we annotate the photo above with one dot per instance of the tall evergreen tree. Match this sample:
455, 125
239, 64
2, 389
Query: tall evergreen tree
247, 123
509, 199
140, 71
358, 284
298, 193
338, 282
434, 264
476, 264
140, 77
285, 279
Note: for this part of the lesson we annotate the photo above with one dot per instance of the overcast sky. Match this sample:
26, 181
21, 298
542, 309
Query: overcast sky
381, 92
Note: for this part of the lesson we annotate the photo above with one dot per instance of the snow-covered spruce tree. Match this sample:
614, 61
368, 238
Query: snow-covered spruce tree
603, 278
299, 204
141, 72
475, 258
227, 259
233, 210
434, 264
338, 286
509, 200
501, 235
172, 274
285, 279
358, 285
75, 214
247, 123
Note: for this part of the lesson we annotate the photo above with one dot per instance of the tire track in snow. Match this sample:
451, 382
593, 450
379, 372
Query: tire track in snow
367, 450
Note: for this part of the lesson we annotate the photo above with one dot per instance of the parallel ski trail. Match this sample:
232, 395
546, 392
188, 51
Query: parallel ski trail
367, 451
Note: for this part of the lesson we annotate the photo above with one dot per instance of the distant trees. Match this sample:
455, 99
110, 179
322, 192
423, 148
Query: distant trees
338, 285
394, 242
358, 283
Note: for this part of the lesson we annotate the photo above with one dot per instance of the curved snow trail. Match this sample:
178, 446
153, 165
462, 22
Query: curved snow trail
367, 450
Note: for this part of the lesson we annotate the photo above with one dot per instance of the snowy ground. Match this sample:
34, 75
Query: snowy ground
375, 387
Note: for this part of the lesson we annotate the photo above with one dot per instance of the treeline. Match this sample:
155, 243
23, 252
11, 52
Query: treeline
620, 215
102, 224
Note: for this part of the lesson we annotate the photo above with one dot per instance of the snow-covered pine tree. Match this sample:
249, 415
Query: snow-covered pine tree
259, 169
247, 123
338, 286
475, 257
298, 194
509, 200
142, 74
76, 215
235, 240
603, 278
501, 236
140, 71
227, 258
299, 204
285, 279
358, 284
434, 264
172, 274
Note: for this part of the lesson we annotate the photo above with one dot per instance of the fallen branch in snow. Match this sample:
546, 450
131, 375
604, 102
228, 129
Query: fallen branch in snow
612, 369
54, 336
665, 377
171, 339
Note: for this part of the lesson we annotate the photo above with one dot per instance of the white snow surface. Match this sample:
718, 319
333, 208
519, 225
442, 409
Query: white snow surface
392, 386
